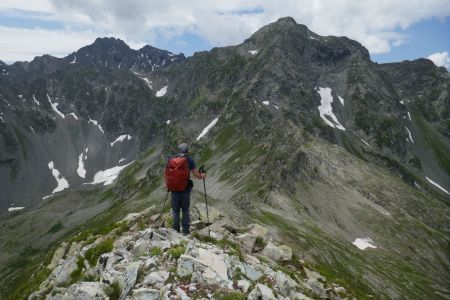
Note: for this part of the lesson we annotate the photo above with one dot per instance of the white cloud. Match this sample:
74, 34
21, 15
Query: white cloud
376, 24
441, 59
24, 44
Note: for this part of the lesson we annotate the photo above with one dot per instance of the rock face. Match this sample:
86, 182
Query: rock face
189, 268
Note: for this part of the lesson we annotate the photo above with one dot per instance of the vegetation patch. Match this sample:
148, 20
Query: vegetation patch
76, 274
156, 251
176, 252
94, 253
55, 228
113, 291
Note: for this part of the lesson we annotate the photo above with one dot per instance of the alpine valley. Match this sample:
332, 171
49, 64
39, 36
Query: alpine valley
343, 160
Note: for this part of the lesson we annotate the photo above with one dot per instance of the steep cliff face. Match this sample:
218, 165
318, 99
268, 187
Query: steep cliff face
300, 132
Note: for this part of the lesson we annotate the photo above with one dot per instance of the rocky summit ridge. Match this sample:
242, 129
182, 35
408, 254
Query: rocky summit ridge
141, 260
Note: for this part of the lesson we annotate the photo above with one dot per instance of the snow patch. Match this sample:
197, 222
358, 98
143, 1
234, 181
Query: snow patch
148, 82
207, 128
62, 182
437, 185
365, 142
402, 102
35, 100
325, 108
96, 124
266, 102
81, 159
2, 120
168, 122
55, 107
409, 115
15, 208
74, 59
107, 176
121, 139
253, 52
341, 99
409, 133
275, 106
364, 243
32, 129
122, 159
162, 91
74, 116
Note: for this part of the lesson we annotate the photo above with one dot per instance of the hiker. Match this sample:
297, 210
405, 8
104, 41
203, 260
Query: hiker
178, 182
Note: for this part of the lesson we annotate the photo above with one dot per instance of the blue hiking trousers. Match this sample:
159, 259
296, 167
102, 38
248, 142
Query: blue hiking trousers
181, 201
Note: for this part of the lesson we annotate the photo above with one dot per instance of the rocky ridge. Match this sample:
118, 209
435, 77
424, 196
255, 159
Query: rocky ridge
144, 261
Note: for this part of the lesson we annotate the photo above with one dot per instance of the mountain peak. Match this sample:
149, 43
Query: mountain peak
109, 42
286, 20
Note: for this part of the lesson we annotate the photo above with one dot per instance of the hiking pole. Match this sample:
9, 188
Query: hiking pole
202, 170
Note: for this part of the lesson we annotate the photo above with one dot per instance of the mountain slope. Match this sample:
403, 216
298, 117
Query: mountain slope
307, 136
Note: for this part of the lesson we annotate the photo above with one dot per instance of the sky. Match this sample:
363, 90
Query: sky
392, 30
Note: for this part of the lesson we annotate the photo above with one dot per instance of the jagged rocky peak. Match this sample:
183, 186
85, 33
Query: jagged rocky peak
134, 261
109, 52
286, 34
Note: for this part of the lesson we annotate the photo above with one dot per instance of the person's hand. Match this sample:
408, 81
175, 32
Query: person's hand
203, 175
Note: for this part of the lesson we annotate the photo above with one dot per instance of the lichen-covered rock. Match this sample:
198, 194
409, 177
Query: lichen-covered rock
85, 291
272, 252
185, 265
284, 284
61, 274
146, 294
286, 252
204, 268
156, 278
317, 288
258, 231
261, 292
57, 256
243, 285
247, 241
140, 247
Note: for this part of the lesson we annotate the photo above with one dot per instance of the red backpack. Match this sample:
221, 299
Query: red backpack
177, 174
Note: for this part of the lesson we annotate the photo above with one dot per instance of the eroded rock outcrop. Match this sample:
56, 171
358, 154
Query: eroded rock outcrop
159, 263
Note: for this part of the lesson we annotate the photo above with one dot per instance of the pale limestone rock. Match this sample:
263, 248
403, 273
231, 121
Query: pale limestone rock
313, 275
85, 291
61, 274
185, 265
156, 278
317, 288
243, 285
272, 252
261, 292
131, 217
182, 294
247, 241
287, 252
285, 284
57, 256
146, 294
258, 231
140, 247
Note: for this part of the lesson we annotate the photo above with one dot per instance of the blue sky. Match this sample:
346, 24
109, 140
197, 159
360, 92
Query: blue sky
391, 30
424, 38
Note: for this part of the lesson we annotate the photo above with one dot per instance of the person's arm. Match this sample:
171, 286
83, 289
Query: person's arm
198, 175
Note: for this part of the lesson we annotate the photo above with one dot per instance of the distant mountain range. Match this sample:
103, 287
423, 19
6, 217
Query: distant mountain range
306, 135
